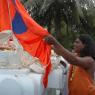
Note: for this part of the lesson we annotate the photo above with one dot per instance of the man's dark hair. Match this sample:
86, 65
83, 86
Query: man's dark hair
89, 49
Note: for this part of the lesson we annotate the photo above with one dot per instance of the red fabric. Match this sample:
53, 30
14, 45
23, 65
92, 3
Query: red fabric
27, 31
80, 82
4, 20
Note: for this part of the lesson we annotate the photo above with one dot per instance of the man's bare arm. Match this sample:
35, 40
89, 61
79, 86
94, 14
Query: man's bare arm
84, 62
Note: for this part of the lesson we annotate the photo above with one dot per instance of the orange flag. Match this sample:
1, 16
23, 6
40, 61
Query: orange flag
27, 31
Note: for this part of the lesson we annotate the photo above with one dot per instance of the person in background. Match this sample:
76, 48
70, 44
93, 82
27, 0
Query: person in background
81, 75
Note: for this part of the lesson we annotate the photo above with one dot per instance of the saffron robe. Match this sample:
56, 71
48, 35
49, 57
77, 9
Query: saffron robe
80, 82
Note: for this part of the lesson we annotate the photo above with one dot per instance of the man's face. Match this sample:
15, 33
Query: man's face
78, 46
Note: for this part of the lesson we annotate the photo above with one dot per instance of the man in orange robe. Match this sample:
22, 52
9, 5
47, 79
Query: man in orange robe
81, 75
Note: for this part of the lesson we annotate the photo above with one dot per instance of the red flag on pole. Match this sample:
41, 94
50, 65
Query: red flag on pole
27, 31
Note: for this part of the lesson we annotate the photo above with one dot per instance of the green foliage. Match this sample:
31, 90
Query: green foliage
91, 17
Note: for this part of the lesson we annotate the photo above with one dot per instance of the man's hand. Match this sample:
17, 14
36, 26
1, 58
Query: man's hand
50, 40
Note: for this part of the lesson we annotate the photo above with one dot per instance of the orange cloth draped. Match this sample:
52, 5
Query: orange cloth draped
30, 34
80, 83
4, 20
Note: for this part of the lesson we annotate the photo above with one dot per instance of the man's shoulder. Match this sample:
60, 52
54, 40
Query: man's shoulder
89, 60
